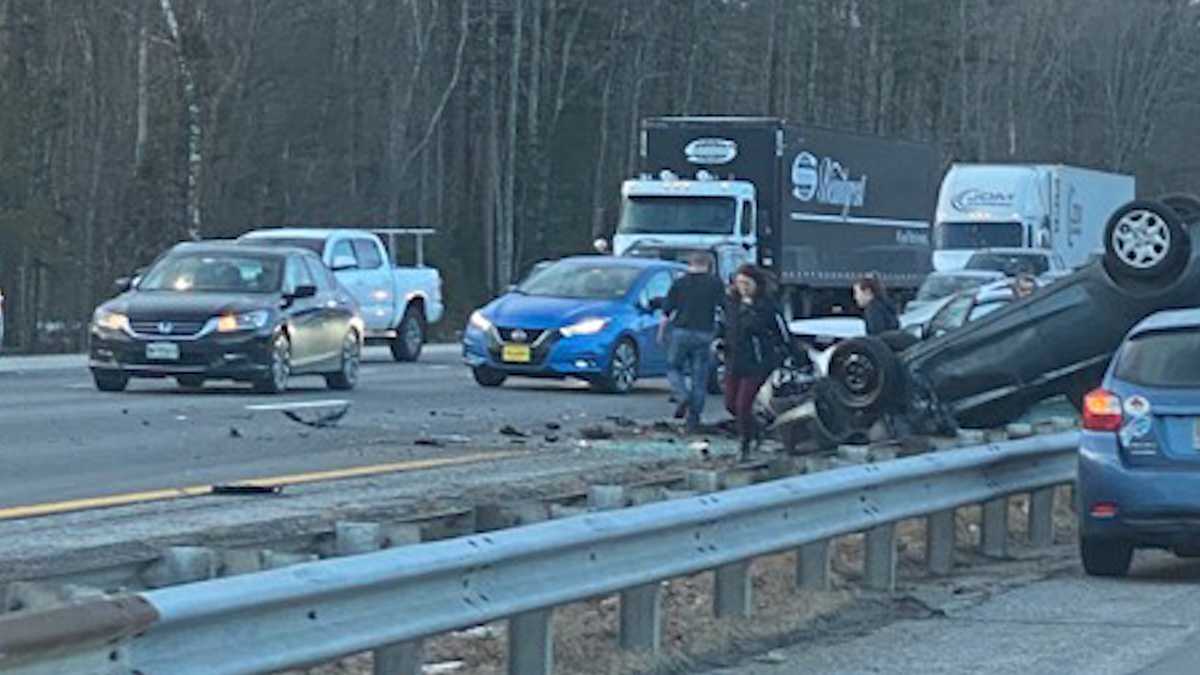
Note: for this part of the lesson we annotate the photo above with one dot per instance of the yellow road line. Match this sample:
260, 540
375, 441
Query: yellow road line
51, 508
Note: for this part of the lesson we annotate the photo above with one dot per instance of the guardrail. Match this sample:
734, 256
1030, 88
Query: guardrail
390, 600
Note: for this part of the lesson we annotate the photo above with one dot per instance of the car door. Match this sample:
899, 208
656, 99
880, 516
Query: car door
336, 310
344, 262
375, 279
653, 351
304, 316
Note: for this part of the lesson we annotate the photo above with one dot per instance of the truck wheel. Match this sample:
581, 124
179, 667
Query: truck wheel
1144, 241
622, 369
410, 336
488, 377
1105, 557
110, 381
865, 373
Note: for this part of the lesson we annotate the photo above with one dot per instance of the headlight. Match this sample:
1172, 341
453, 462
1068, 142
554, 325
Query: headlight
585, 327
111, 320
231, 323
480, 321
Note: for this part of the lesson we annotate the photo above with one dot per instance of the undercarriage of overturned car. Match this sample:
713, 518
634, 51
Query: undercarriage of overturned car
989, 372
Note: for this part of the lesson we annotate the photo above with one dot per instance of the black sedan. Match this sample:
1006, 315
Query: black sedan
224, 311
1056, 342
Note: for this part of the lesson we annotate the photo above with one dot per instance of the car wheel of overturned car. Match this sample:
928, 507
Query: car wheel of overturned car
410, 336
716, 372
275, 380
865, 373
1145, 241
622, 369
110, 381
346, 377
834, 424
1186, 205
488, 377
1105, 557
190, 381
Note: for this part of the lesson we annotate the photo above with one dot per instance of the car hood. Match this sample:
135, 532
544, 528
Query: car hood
516, 310
159, 305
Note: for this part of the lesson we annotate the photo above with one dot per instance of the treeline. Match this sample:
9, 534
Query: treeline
128, 125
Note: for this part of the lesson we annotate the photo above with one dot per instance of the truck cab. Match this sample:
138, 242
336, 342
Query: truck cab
984, 207
669, 212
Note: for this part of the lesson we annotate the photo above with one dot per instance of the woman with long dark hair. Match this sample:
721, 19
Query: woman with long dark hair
754, 345
878, 310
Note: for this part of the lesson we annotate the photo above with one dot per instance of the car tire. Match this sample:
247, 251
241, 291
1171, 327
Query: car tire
275, 381
488, 377
110, 381
346, 378
1186, 205
1145, 241
622, 369
716, 371
410, 336
190, 381
1105, 557
834, 424
865, 374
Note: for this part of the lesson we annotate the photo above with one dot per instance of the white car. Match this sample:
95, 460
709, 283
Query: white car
1013, 261
941, 285
397, 303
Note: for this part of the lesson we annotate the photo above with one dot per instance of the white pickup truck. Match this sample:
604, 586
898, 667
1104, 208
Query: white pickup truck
397, 303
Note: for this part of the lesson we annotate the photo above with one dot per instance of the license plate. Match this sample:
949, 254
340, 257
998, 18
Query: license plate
162, 351
516, 354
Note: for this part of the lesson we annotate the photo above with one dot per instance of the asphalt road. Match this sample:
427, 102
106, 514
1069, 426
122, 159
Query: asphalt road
60, 439
1063, 622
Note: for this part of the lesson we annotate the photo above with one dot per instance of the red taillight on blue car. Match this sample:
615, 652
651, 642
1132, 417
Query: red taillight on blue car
1102, 411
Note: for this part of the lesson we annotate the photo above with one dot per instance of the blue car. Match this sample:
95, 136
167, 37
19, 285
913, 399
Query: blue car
1139, 458
587, 317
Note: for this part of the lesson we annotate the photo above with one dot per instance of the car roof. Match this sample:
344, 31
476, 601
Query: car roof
1168, 320
306, 233
621, 261
231, 246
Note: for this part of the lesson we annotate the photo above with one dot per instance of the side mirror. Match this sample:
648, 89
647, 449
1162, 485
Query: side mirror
344, 262
123, 284
302, 292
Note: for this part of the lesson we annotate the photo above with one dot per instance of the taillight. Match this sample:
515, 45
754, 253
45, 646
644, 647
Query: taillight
1102, 411
1104, 510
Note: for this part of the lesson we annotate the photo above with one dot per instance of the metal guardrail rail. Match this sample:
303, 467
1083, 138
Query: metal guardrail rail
388, 601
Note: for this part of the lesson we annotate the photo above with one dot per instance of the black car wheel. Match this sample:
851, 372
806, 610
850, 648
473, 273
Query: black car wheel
347, 376
622, 369
865, 373
1105, 557
275, 380
1187, 206
410, 337
1146, 241
110, 381
190, 381
488, 377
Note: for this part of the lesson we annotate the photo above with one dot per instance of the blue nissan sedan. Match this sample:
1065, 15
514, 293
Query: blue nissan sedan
588, 317
1139, 458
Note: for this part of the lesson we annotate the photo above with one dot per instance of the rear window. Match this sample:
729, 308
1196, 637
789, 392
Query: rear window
1164, 359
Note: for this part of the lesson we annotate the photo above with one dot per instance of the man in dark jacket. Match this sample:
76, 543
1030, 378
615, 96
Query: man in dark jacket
691, 305
878, 310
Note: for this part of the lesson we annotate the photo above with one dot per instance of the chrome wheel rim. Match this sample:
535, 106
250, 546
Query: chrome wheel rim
1141, 239
412, 335
624, 367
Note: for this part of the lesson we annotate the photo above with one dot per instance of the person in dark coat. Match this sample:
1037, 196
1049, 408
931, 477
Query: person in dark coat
878, 310
754, 346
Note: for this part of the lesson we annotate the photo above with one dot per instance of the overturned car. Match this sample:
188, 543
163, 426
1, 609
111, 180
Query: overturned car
990, 371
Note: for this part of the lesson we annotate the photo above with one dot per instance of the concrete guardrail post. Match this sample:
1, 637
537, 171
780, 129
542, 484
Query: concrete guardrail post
879, 568
732, 590
994, 538
939, 542
641, 618
531, 643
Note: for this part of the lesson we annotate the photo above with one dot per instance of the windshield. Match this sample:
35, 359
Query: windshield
978, 235
938, 286
678, 215
1010, 263
582, 281
214, 273
312, 244
1166, 359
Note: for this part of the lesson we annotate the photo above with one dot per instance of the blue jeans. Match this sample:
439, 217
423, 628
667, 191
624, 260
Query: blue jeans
689, 354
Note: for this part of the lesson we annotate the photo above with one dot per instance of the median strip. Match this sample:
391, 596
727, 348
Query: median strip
53, 508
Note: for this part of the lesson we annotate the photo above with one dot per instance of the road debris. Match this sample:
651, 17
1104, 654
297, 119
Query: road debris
597, 432
247, 489
317, 414
234, 433
510, 430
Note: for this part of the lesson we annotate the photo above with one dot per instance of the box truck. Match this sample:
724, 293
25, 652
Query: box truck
1051, 207
815, 207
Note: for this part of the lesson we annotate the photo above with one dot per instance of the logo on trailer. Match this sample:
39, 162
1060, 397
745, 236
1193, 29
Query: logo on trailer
974, 198
827, 181
711, 151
